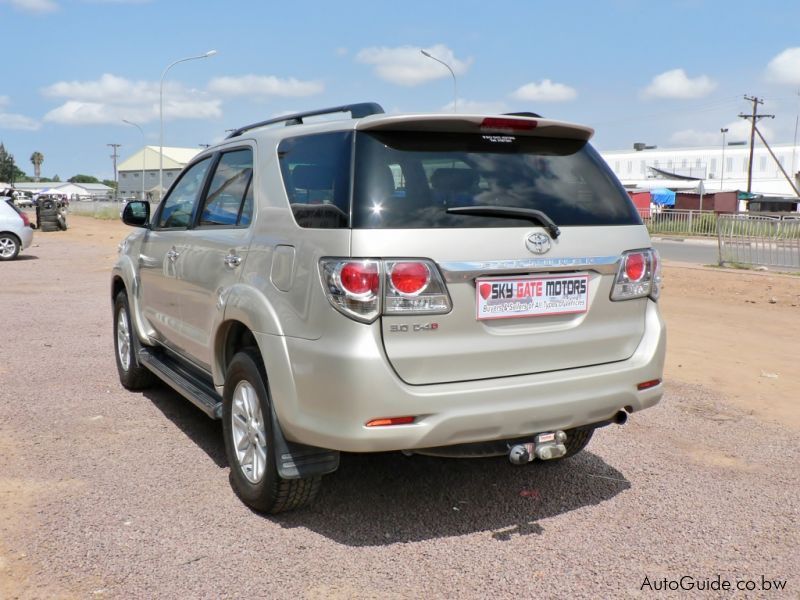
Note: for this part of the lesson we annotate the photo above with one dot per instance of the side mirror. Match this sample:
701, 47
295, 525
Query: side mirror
136, 213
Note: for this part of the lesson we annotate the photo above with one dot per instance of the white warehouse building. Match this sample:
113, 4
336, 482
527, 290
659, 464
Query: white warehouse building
145, 163
717, 168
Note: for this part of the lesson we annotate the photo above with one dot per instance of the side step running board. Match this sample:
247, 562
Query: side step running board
199, 392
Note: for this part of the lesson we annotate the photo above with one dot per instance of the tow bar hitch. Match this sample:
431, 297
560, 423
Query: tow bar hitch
545, 446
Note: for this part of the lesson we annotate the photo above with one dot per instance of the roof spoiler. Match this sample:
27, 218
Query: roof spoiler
357, 111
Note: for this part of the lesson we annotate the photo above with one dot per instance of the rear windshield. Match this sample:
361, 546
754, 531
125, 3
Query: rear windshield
410, 179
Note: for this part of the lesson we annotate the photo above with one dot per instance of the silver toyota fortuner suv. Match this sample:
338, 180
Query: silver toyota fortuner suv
451, 285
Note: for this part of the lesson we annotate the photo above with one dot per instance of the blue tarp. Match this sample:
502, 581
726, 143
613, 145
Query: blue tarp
663, 197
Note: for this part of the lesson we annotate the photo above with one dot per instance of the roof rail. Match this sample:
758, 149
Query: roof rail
357, 111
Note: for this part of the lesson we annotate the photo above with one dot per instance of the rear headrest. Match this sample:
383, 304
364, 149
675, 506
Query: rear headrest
312, 177
454, 180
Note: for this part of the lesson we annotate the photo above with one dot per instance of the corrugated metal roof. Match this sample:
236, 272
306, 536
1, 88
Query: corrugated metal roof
147, 157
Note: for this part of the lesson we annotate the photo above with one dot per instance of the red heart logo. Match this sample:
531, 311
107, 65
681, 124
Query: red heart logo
485, 290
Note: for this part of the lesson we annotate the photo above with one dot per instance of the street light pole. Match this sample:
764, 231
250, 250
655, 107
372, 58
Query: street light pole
723, 131
161, 116
144, 151
455, 88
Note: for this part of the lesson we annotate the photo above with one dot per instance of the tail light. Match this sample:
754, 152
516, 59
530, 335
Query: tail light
25, 221
363, 289
638, 276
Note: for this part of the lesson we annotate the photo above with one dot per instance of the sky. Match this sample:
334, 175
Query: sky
668, 73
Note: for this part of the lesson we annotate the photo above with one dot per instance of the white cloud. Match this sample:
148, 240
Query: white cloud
109, 88
33, 6
677, 85
342, 51
738, 131
478, 107
260, 85
15, 121
111, 99
406, 65
545, 91
785, 67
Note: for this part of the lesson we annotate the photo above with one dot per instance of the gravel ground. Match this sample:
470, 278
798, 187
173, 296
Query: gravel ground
107, 493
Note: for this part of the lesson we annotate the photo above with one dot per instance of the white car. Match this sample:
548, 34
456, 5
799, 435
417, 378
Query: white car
15, 230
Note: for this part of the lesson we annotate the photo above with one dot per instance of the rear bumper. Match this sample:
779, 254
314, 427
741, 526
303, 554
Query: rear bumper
325, 392
26, 237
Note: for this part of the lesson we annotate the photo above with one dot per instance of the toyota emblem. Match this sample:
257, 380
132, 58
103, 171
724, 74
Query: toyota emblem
538, 243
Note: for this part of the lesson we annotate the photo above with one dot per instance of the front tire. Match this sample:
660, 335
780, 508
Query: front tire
249, 442
132, 375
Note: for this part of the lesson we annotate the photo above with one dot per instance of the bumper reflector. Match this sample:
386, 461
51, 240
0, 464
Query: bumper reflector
646, 385
390, 421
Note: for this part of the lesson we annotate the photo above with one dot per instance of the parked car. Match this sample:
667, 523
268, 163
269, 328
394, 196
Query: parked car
15, 229
450, 285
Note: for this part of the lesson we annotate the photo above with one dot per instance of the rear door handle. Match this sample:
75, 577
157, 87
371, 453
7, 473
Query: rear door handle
233, 260
173, 254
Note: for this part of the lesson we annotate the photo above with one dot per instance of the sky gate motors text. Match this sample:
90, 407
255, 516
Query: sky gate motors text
538, 288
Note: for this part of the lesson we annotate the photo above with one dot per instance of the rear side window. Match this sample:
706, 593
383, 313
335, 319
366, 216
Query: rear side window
229, 200
410, 179
316, 174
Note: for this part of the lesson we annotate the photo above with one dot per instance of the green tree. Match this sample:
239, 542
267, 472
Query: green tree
37, 158
8, 169
56, 179
110, 183
83, 179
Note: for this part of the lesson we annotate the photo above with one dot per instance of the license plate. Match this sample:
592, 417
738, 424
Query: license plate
516, 297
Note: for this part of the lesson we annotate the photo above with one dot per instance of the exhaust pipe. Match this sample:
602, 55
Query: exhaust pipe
620, 418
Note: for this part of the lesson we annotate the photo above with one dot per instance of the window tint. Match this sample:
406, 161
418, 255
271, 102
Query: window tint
226, 194
410, 179
178, 205
316, 175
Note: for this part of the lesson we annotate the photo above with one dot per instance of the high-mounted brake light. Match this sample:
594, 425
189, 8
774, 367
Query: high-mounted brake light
505, 123
638, 276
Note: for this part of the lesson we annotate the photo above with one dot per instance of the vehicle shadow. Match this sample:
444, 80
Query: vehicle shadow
388, 498
381, 499
204, 432
22, 257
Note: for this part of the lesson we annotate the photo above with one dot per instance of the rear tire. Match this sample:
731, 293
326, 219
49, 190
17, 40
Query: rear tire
249, 442
577, 440
9, 246
132, 375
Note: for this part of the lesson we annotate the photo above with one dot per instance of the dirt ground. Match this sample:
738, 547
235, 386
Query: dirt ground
101, 529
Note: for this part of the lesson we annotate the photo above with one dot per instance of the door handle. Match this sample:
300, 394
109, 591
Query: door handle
173, 254
233, 260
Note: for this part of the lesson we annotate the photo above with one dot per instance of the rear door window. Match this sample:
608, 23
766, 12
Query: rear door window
228, 202
410, 179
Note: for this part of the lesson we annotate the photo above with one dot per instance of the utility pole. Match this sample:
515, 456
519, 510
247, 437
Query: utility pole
755, 117
114, 158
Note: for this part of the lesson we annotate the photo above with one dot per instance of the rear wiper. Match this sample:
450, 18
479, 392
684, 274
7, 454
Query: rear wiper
510, 212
